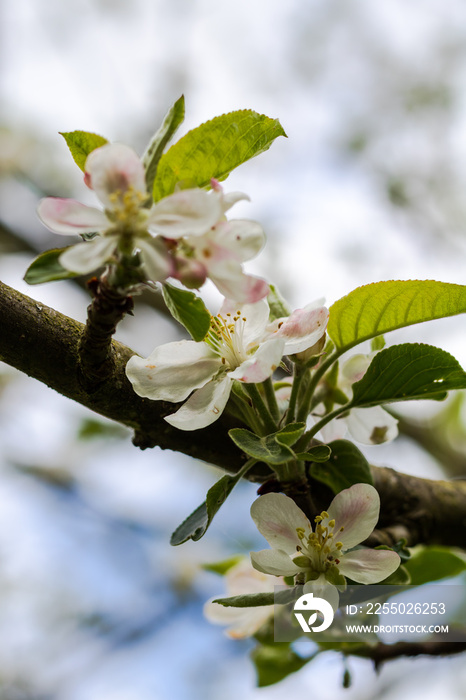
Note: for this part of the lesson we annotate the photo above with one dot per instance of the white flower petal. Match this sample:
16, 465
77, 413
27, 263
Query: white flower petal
356, 510
228, 200
277, 517
173, 370
262, 363
114, 169
372, 426
87, 257
155, 258
303, 328
256, 316
204, 407
69, 217
185, 213
275, 562
239, 239
369, 565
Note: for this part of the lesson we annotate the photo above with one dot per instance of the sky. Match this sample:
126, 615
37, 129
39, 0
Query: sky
368, 186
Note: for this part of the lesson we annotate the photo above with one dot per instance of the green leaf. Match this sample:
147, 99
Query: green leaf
290, 434
255, 600
196, 524
214, 149
222, 567
318, 453
434, 563
188, 309
81, 143
346, 466
265, 449
274, 663
47, 268
379, 308
170, 124
408, 371
92, 428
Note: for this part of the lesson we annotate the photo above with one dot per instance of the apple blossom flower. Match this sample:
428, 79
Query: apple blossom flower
323, 555
235, 348
369, 426
242, 579
127, 225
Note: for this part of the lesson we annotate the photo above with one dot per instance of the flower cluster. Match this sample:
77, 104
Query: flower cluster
324, 554
240, 346
185, 235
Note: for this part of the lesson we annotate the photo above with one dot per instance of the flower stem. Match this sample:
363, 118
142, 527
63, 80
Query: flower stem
305, 439
271, 398
262, 410
107, 309
304, 409
299, 374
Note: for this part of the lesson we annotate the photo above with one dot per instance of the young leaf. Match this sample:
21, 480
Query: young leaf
222, 567
408, 371
434, 563
318, 453
346, 466
196, 524
188, 309
290, 434
170, 124
214, 149
264, 449
47, 268
379, 308
254, 600
277, 304
81, 143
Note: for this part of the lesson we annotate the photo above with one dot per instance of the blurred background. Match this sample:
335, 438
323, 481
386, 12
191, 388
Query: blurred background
368, 186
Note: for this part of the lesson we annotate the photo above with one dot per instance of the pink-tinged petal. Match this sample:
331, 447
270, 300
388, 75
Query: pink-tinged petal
204, 407
262, 363
157, 263
243, 622
277, 518
114, 169
369, 565
321, 588
87, 257
356, 367
173, 370
230, 280
256, 316
243, 578
274, 562
372, 426
69, 217
356, 510
303, 329
185, 213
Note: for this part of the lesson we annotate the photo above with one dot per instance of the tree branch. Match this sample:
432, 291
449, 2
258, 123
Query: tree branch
44, 343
